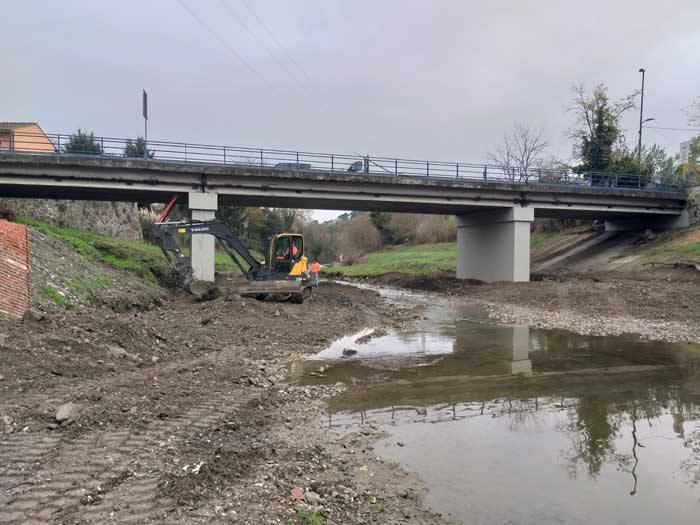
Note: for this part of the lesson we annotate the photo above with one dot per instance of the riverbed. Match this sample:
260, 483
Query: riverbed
512, 424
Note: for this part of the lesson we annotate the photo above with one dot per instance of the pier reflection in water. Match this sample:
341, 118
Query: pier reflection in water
514, 425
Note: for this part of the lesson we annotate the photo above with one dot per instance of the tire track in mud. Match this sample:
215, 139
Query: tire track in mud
77, 470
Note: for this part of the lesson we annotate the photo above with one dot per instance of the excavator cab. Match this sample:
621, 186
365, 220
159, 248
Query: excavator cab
285, 254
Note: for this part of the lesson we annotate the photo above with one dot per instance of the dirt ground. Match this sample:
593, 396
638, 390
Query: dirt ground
659, 306
181, 414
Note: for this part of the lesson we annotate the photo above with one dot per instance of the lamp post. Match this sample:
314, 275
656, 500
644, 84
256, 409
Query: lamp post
144, 109
641, 119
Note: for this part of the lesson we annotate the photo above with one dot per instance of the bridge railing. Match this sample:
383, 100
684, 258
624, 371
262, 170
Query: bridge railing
181, 152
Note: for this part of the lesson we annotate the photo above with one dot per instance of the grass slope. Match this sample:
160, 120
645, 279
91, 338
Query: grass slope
673, 246
422, 258
144, 259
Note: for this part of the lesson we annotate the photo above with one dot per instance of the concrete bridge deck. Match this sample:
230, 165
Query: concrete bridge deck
137, 180
493, 215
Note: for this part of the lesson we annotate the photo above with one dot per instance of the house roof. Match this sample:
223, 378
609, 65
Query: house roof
13, 125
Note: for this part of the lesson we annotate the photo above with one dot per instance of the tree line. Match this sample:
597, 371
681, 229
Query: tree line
599, 143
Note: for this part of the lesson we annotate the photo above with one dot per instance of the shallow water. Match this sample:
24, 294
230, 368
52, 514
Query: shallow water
507, 424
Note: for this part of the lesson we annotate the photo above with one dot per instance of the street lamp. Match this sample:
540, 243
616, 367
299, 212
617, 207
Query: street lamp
641, 119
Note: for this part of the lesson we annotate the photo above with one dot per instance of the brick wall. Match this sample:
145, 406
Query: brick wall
15, 296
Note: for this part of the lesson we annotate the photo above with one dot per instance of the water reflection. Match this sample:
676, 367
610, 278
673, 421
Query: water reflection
615, 416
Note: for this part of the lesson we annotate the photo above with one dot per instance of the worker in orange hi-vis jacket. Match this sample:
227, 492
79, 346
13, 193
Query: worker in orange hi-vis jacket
315, 269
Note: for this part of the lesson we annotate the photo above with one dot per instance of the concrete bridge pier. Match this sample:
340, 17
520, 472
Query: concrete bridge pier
203, 206
494, 245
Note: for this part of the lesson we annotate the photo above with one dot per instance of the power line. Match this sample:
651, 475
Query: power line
279, 44
672, 129
260, 42
227, 46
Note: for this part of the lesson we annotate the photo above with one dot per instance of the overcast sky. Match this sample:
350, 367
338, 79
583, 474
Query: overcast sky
426, 79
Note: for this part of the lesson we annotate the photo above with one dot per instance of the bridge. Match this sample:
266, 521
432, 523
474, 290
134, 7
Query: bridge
494, 205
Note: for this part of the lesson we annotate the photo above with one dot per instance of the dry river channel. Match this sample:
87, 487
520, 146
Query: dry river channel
511, 424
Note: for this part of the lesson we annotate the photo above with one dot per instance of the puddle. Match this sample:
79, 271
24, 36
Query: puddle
507, 424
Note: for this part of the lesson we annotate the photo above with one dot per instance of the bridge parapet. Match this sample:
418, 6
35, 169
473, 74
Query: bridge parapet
304, 161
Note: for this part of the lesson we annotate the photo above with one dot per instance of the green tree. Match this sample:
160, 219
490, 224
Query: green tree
137, 148
381, 221
655, 162
597, 130
84, 143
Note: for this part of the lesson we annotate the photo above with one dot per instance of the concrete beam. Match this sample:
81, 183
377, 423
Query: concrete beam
203, 206
652, 222
495, 245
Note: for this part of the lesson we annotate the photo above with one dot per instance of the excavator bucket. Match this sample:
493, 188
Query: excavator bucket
275, 290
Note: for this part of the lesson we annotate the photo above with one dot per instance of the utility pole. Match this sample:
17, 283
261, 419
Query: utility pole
145, 124
641, 117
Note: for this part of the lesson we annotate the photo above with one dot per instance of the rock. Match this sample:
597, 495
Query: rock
277, 313
312, 498
2, 378
155, 359
67, 412
33, 315
203, 290
297, 494
349, 351
117, 351
6, 424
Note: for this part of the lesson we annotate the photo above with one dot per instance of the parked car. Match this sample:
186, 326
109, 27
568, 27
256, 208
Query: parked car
357, 166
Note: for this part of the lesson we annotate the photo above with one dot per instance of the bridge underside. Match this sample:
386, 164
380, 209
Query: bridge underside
494, 218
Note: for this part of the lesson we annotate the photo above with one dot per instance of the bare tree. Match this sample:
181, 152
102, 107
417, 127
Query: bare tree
521, 152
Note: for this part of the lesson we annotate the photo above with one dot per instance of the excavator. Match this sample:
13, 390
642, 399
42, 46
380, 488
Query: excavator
282, 275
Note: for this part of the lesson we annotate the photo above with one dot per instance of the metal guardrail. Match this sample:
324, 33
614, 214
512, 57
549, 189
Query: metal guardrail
180, 152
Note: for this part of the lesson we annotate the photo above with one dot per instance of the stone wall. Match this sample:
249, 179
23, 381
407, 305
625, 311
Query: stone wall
117, 219
15, 295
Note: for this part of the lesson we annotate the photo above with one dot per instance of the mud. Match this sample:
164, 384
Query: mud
185, 417
597, 304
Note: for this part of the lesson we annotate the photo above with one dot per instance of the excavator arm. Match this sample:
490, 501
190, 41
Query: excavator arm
165, 235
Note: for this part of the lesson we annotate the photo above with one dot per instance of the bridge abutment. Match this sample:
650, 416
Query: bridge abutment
495, 245
203, 207
655, 223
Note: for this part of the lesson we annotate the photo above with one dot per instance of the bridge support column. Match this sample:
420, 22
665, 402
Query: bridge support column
495, 245
655, 223
203, 206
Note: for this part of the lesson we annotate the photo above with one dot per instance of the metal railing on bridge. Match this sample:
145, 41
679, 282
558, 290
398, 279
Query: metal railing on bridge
182, 152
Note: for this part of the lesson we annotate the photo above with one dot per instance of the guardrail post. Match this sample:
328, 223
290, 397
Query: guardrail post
332, 164
185, 152
427, 168
396, 167
224, 154
102, 145
297, 157
458, 170
261, 157
59, 144
486, 172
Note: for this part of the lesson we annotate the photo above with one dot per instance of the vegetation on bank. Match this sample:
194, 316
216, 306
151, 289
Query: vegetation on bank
141, 258
669, 247
415, 259
678, 246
